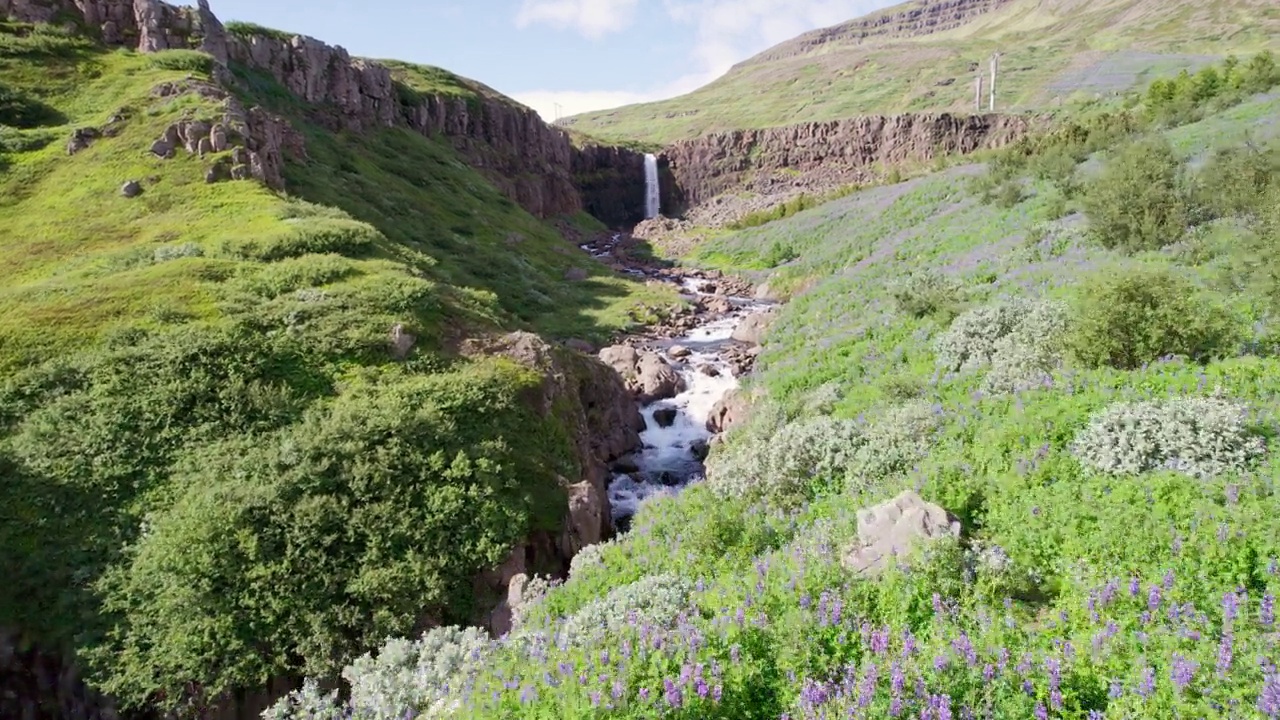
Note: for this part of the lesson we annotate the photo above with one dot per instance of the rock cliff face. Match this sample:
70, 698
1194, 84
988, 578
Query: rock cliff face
533, 163
818, 156
919, 18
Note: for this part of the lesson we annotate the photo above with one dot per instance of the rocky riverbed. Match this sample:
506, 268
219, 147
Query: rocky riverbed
684, 372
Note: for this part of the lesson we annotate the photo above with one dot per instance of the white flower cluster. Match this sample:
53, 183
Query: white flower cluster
425, 675
654, 601
1020, 339
786, 467
1199, 436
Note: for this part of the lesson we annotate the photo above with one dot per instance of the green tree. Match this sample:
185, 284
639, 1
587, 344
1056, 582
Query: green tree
1140, 200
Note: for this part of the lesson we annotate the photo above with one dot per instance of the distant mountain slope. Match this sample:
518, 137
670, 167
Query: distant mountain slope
924, 56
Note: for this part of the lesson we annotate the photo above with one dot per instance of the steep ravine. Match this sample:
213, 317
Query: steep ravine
684, 375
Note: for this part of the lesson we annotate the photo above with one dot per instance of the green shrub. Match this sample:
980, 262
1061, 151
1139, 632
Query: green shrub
166, 253
891, 444
795, 461
310, 236
1200, 436
1236, 180
977, 337
1140, 200
926, 293
192, 61
20, 110
1129, 318
653, 601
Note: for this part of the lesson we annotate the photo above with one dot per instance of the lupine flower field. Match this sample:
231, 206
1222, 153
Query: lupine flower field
1098, 409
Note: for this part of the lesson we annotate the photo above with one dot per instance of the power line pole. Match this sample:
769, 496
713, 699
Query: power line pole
995, 64
557, 111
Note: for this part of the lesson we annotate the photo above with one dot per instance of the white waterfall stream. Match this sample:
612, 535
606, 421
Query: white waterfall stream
652, 191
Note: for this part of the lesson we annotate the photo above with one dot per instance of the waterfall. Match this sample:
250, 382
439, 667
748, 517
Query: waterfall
652, 199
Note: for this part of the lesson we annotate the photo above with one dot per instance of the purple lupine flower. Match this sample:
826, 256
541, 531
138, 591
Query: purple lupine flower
700, 687
908, 644
618, 689
880, 641
1116, 691
937, 604
1273, 567
1041, 712
895, 706
1224, 654
1182, 672
988, 672
940, 663
1109, 591
1168, 580
528, 694
1269, 699
897, 677
1148, 684
1153, 598
1267, 612
717, 692
1233, 494
964, 648
595, 699
1230, 606
675, 698
1134, 587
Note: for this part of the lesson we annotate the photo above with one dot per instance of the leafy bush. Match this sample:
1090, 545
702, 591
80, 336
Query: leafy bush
925, 292
892, 443
310, 236
651, 601
166, 253
20, 110
1017, 335
192, 61
1140, 201
1236, 180
1185, 98
1200, 436
797, 460
1129, 318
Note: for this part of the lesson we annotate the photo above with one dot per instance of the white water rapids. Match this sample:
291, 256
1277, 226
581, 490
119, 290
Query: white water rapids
667, 459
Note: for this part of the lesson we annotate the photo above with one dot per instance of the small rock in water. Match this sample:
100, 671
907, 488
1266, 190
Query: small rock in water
709, 370
626, 465
679, 351
668, 478
665, 417
700, 449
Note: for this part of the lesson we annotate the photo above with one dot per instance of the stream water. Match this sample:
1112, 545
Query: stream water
675, 437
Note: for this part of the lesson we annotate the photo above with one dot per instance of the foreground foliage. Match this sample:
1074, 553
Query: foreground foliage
1099, 411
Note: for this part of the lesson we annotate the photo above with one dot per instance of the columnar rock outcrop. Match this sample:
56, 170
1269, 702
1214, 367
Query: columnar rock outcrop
827, 154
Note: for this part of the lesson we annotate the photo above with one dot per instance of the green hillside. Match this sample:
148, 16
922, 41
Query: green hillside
1054, 51
1071, 348
216, 467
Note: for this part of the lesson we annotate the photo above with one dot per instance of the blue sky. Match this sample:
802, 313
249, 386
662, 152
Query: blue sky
582, 54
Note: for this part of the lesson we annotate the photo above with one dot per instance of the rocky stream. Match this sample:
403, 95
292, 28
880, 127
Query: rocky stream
684, 373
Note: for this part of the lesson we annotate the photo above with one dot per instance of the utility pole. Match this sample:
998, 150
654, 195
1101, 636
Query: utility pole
995, 63
557, 105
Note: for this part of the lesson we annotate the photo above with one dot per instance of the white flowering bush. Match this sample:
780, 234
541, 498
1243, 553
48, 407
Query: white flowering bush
893, 443
788, 467
1019, 339
534, 592
307, 703
165, 253
427, 675
591, 556
1199, 436
654, 600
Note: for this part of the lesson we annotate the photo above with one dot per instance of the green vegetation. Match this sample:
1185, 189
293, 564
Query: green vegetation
1097, 410
1063, 55
217, 466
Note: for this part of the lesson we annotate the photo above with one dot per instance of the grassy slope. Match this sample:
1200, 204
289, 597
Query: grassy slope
191, 333
77, 254
767, 582
1052, 50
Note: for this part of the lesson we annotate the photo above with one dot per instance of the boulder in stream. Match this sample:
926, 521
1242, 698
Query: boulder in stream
665, 417
751, 329
646, 374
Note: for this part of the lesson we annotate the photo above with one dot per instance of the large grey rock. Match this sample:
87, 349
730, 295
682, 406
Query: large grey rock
728, 411
130, 189
892, 528
647, 375
657, 379
751, 329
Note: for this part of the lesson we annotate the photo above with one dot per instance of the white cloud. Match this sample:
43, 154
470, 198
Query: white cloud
725, 32
592, 18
